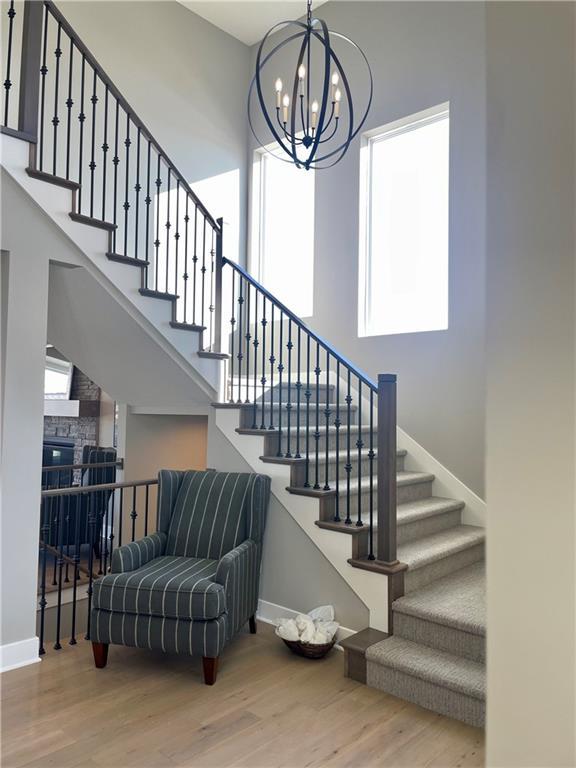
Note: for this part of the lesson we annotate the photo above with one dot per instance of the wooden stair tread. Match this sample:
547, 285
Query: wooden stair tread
129, 260
152, 294
92, 222
50, 178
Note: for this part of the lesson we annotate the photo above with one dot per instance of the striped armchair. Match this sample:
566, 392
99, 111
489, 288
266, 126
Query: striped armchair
189, 587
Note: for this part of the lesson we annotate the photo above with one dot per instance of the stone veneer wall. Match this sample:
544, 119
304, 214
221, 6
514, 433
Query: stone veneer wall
83, 430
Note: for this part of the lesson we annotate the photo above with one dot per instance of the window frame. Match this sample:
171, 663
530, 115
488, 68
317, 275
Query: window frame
368, 141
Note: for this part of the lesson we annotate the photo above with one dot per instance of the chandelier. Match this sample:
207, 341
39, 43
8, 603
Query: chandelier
310, 114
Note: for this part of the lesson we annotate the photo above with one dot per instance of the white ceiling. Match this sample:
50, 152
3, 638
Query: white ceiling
248, 20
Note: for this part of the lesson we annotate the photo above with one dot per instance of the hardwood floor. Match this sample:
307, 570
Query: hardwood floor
268, 709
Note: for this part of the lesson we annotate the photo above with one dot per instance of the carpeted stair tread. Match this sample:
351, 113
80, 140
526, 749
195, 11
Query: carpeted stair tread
438, 667
429, 549
457, 601
402, 478
412, 511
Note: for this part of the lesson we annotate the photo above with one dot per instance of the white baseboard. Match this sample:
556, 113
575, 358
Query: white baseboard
269, 612
20, 654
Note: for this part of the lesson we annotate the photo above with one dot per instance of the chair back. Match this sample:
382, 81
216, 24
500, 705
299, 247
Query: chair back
212, 512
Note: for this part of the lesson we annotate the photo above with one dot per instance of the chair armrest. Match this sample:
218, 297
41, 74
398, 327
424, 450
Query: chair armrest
238, 573
129, 557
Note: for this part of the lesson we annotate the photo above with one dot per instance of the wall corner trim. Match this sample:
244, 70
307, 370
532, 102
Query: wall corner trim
19, 654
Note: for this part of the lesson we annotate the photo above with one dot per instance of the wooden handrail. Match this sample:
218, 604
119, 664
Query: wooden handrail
79, 489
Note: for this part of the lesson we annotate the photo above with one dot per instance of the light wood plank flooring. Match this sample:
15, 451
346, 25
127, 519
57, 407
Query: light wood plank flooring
268, 709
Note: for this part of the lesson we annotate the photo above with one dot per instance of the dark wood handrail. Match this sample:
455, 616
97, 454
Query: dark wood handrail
68, 467
363, 377
78, 489
91, 59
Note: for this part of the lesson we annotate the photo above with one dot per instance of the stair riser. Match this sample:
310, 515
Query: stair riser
429, 525
429, 695
419, 577
298, 472
271, 444
438, 636
287, 394
248, 419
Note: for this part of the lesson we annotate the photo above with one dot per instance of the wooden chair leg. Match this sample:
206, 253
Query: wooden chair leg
210, 666
252, 622
100, 651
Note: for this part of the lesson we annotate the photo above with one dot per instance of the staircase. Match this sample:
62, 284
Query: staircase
373, 502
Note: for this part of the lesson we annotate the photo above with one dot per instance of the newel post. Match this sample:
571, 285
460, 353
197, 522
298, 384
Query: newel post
30, 68
386, 539
218, 288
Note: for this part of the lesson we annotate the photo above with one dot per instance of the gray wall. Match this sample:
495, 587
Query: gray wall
531, 385
422, 54
186, 79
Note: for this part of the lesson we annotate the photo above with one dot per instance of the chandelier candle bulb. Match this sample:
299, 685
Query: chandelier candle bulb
337, 99
301, 72
314, 113
285, 104
278, 87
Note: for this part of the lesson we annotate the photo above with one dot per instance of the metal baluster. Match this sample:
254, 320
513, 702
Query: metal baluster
240, 337
133, 513
157, 240
7, 82
263, 380
43, 73
371, 458
105, 149
272, 360
289, 347
76, 558
211, 305
348, 466
81, 119
137, 189
203, 271
112, 504
147, 201
232, 334
195, 263
92, 165
45, 517
337, 424
177, 236
69, 105
317, 372
255, 345
55, 119
168, 226
146, 499
280, 371
92, 537
185, 275
307, 395
327, 414
120, 517
298, 396
359, 445
126, 205
247, 337
99, 521
115, 161
60, 563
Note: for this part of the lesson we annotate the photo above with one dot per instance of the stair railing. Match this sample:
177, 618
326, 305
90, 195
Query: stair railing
320, 410
85, 135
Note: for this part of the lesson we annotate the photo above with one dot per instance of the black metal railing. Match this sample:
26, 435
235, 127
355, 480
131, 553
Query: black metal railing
79, 529
334, 424
84, 133
65, 475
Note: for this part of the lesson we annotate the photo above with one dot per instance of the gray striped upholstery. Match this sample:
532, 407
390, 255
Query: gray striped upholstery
179, 587
129, 557
192, 585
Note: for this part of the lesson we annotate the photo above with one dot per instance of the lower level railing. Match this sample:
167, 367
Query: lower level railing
79, 529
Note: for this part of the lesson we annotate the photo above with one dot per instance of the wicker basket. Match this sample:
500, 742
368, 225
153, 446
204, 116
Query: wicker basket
308, 650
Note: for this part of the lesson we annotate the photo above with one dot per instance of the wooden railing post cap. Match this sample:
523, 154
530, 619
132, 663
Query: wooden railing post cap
384, 378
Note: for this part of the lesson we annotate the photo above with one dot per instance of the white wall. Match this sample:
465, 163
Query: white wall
421, 54
187, 81
531, 385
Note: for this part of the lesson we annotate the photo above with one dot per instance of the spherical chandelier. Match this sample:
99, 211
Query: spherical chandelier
310, 114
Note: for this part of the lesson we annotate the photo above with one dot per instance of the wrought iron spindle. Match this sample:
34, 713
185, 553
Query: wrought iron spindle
359, 446
120, 517
280, 390
115, 161
240, 337
255, 344
133, 513
272, 361
263, 380
232, 335
126, 205
69, 105
185, 273
247, 337
203, 273
146, 500
195, 265
212, 279
7, 82
371, 458
105, 148
317, 371
157, 239
298, 393
45, 517
43, 73
168, 226
147, 202
337, 424
327, 414
307, 395
81, 119
177, 236
92, 165
55, 119
60, 564
137, 190
289, 347
348, 466
76, 559
92, 522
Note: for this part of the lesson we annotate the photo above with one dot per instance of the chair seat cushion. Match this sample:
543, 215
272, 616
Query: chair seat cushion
174, 587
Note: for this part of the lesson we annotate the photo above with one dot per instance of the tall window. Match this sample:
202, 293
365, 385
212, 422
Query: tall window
403, 285
282, 243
